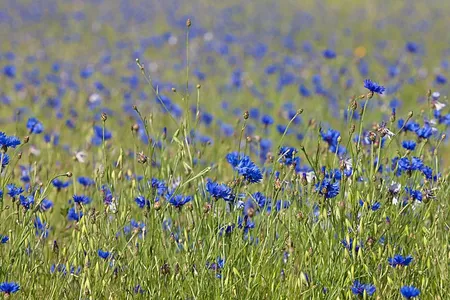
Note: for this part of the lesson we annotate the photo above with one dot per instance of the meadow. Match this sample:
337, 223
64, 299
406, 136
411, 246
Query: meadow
224, 150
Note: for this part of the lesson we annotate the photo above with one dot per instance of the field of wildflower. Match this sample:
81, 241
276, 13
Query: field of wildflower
224, 149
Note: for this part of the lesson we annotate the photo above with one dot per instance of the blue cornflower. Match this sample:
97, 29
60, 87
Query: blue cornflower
137, 227
404, 165
233, 159
374, 87
41, 228
219, 191
98, 131
303, 90
103, 254
86, 181
81, 199
245, 167
410, 126
142, 202
59, 184
179, 200
288, 156
425, 132
74, 215
282, 204
9, 287
159, 185
329, 54
412, 47
359, 288
328, 188
331, 136
441, 79
46, 204
4, 239
399, 260
1, 194
376, 206
107, 195
427, 172
261, 200
219, 264
26, 202
35, 126
349, 245
409, 291
245, 223
10, 71
414, 194
216, 266
409, 145
4, 160
267, 120
8, 141
13, 190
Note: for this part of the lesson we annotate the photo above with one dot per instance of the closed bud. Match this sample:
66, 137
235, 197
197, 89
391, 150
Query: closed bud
300, 111
353, 105
135, 127
26, 139
198, 86
246, 115
410, 114
174, 90
392, 119
352, 128
104, 117
69, 174
157, 205
188, 23
142, 158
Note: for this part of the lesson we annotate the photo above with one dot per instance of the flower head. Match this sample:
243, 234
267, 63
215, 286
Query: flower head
74, 215
399, 260
409, 145
179, 200
4, 239
81, 199
103, 254
219, 191
374, 87
9, 287
13, 190
328, 188
86, 181
34, 126
142, 202
8, 141
59, 184
46, 204
359, 288
26, 202
409, 291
